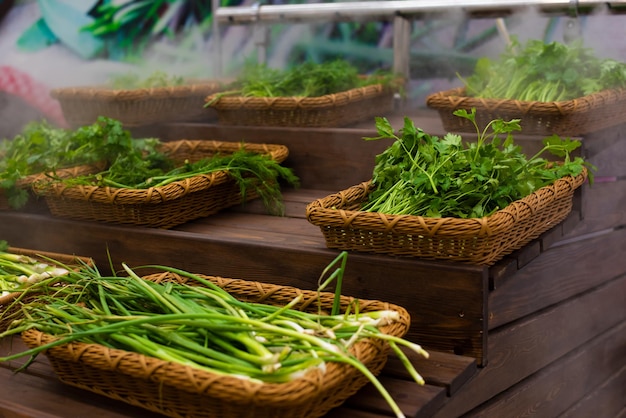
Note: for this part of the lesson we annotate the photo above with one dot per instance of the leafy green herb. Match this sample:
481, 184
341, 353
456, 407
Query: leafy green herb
41, 147
138, 169
421, 174
544, 72
309, 79
153, 80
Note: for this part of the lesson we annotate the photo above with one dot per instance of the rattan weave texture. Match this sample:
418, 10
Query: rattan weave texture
135, 107
162, 207
331, 110
182, 391
575, 117
481, 241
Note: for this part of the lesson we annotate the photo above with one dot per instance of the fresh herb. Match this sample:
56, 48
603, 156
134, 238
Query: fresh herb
421, 174
42, 148
154, 80
544, 72
137, 169
309, 79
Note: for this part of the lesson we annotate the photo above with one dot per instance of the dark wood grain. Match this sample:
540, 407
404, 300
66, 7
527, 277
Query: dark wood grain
531, 344
606, 396
558, 275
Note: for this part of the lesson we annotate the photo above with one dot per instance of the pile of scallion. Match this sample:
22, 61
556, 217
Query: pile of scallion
201, 325
19, 271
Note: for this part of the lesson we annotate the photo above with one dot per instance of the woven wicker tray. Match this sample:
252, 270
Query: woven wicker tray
9, 311
330, 110
182, 391
159, 207
27, 182
567, 118
481, 241
145, 106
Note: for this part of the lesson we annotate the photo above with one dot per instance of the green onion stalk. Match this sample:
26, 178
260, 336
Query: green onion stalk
200, 325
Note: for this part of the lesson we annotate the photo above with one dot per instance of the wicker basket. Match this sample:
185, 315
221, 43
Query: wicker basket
182, 391
27, 182
135, 107
331, 110
567, 118
10, 311
159, 207
481, 241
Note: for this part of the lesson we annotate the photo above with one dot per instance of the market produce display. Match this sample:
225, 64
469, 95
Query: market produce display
425, 175
331, 93
439, 198
137, 99
545, 72
194, 322
552, 88
42, 147
309, 79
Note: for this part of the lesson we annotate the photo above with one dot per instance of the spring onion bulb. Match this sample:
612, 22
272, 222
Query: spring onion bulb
201, 325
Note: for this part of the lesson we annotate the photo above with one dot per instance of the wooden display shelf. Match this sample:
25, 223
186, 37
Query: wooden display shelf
36, 392
550, 316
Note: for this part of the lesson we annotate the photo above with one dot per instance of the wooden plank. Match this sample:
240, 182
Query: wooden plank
439, 369
603, 207
411, 398
24, 395
457, 326
557, 275
552, 390
607, 398
528, 345
606, 149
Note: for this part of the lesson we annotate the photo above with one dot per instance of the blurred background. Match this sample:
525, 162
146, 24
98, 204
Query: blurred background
46, 44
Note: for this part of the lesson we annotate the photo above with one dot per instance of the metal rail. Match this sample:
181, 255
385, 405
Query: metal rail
386, 10
399, 12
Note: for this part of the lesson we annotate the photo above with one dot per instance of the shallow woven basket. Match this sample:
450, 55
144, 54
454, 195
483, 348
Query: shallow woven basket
10, 311
567, 118
134, 107
27, 182
481, 241
182, 391
158, 207
330, 110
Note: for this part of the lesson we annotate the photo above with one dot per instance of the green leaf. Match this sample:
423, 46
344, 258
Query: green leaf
37, 37
66, 22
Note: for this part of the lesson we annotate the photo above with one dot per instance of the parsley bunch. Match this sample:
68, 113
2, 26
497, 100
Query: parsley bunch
422, 174
41, 148
544, 72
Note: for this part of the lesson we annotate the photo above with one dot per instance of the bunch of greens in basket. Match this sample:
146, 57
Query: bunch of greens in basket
42, 148
140, 168
18, 271
544, 72
309, 79
200, 325
422, 174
